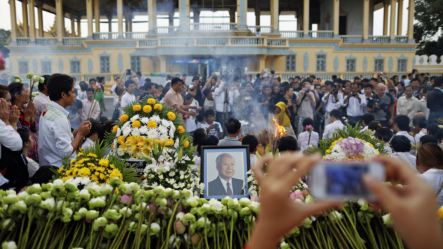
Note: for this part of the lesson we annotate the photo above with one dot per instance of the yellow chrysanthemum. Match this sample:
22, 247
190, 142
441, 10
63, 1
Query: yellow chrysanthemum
92, 155
123, 118
158, 107
121, 139
103, 162
186, 144
137, 108
151, 101
171, 116
147, 109
181, 129
115, 129
136, 124
115, 173
440, 212
84, 172
152, 124
169, 143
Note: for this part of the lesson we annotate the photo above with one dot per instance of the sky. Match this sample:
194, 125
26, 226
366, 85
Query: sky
287, 22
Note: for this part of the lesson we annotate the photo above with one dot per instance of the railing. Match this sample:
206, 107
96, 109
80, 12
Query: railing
209, 41
177, 42
277, 42
292, 34
321, 34
212, 41
260, 29
213, 27
73, 41
401, 39
379, 39
23, 41
50, 41
352, 38
247, 41
167, 30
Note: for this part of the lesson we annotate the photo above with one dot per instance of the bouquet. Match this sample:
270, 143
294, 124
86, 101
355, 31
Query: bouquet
350, 149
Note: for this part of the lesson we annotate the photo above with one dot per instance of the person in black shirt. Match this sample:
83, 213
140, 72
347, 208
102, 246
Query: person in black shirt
435, 102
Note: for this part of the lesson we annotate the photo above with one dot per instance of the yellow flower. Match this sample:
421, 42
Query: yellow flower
151, 101
92, 155
440, 212
136, 124
171, 116
152, 124
158, 107
136, 108
186, 144
114, 129
94, 178
84, 172
121, 139
169, 143
123, 118
103, 162
147, 109
115, 173
181, 129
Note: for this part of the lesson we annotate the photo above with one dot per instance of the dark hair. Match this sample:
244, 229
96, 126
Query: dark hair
58, 84
366, 85
129, 82
206, 92
402, 122
208, 113
232, 126
90, 90
24, 133
430, 155
15, 89
44, 174
287, 143
95, 127
400, 143
374, 125
428, 139
307, 121
83, 86
336, 114
368, 118
385, 134
435, 131
252, 141
210, 140
92, 80
420, 122
3, 91
438, 82
189, 96
41, 86
198, 137
176, 81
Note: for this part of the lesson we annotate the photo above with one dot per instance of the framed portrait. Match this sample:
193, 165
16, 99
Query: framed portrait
224, 171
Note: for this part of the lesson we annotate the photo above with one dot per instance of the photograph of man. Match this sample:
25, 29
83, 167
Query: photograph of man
225, 183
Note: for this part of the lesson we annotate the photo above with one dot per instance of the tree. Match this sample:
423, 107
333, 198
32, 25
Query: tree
429, 16
5, 36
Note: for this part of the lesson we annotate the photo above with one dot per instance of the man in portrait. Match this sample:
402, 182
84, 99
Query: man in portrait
225, 183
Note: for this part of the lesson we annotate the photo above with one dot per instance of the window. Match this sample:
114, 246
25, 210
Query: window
350, 65
46, 67
290, 63
402, 65
23, 67
379, 65
321, 63
104, 64
75, 66
135, 63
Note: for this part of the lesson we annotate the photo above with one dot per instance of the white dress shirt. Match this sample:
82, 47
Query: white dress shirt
331, 128
91, 109
219, 97
127, 99
406, 157
330, 103
409, 106
420, 134
406, 134
87, 143
9, 138
190, 122
305, 142
356, 107
225, 184
435, 178
55, 136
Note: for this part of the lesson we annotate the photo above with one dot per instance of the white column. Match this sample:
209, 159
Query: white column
120, 17
40, 21
152, 16
184, 10
97, 15
274, 15
25, 17
365, 19
400, 18
336, 8
385, 17
12, 10
393, 18
89, 14
306, 28
31, 12
242, 11
411, 12
110, 23
59, 19
72, 27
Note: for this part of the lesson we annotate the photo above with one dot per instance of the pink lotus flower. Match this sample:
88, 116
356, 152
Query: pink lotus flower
297, 195
126, 199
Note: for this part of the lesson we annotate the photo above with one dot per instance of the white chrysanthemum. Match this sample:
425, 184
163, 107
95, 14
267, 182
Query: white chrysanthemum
119, 132
144, 120
135, 117
126, 124
143, 130
156, 118
135, 132
126, 131
152, 133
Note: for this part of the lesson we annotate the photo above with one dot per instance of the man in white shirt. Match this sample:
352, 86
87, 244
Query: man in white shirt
219, 93
401, 126
334, 125
174, 99
409, 105
129, 97
91, 108
55, 141
355, 104
333, 100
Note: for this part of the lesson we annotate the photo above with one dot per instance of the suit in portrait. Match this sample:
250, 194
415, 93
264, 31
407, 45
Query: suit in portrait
225, 165
216, 187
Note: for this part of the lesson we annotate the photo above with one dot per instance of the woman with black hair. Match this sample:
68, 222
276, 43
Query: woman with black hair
401, 148
430, 165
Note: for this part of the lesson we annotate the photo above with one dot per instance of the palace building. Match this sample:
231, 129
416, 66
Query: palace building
293, 37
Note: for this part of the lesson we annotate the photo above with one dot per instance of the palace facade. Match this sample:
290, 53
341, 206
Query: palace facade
329, 37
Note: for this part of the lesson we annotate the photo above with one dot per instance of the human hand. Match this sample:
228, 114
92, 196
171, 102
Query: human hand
29, 112
413, 207
84, 128
278, 213
4, 111
14, 115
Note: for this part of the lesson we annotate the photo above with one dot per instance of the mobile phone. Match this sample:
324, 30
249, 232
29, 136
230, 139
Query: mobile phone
343, 180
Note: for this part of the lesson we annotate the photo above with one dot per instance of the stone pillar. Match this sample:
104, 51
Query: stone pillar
400, 18
242, 11
72, 27
120, 17
336, 9
25, 17
365, 19
274, 15
171, 19
385, 17
163, 68
129, 20
257, 16
152, 16
97, 15
79, 27
12, 10
306, 17
411, 13
59, 19
31, 12
231, 16
89, 15
393, 18
41, 32
110, 23
184, 10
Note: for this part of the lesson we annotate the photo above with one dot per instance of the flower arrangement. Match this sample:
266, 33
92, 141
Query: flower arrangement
151, 132
124, 215
350, 149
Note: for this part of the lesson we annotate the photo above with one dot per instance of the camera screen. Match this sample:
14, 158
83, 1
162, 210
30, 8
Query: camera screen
346, 180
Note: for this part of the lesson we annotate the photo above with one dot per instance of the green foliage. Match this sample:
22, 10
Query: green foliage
429, 16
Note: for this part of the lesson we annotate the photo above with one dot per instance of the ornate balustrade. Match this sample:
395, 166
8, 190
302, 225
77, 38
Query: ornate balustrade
321, 34
352, 38
292, 34
213, 27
